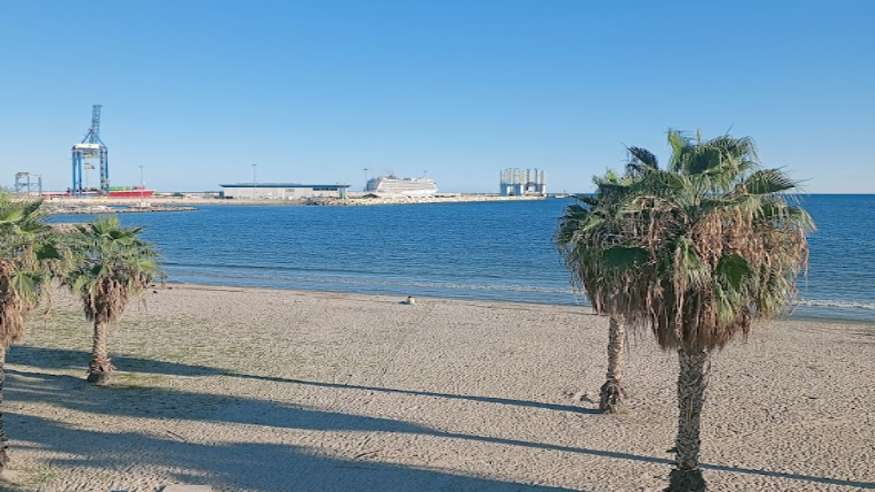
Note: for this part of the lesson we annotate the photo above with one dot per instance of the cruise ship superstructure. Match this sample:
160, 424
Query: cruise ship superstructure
394, 186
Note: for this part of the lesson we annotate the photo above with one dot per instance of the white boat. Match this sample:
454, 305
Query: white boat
394, 186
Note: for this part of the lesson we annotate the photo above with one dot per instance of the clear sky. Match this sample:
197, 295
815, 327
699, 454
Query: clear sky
197, 91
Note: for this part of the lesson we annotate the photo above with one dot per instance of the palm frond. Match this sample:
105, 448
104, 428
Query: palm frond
717, 241
623, 258
733, 273
114, 263
641, 157
767, 181
25, 263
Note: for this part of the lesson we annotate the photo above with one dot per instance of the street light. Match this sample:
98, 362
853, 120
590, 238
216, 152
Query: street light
254, 181
142, 184
366, 179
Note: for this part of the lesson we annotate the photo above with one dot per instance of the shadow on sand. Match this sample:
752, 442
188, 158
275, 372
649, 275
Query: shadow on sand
300, 469
240, 465
73, 359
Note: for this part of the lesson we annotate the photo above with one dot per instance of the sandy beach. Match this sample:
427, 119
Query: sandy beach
269, 391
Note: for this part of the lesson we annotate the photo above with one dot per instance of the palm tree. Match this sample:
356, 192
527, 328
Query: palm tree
712, 243
586, 232
28, 258
114, 264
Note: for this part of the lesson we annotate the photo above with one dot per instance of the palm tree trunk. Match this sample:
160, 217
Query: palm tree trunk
4, 441
100, 369
613, 395
692, 381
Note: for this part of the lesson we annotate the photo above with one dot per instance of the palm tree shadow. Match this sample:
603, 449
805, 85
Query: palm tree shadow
159, 403
153, 402
245, 465
67, 359
250, 466
449, 396
53, 358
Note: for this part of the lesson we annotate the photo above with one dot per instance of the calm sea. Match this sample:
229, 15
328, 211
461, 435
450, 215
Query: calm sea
492, 251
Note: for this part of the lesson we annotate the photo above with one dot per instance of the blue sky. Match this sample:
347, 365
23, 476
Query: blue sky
316, 92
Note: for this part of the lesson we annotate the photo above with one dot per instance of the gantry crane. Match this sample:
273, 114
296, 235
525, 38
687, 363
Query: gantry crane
24, 183
91, 147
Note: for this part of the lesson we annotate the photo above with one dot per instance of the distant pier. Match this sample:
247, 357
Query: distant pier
366, 200
70, 209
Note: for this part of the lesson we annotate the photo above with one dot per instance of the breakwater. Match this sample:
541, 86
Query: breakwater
104, 209
174, 204
405, 200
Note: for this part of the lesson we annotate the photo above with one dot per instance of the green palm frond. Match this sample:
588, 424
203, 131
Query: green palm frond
717, 241
678, 143
114, 263
641, 157
27, 263
623, 259
27, 284
11, 215
690, 272
767, 181
47, 251
733, 273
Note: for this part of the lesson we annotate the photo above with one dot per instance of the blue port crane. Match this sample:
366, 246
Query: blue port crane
91, 147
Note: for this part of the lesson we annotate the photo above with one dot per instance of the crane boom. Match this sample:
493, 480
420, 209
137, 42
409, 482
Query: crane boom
95, 120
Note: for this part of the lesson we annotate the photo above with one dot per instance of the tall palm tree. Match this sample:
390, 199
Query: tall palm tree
712, 243
28, 259
586, 232
114, 264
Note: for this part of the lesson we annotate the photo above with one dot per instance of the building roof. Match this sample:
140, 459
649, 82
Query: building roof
283, 185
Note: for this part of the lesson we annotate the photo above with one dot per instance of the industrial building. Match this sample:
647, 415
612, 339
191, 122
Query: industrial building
282, 191
518, 182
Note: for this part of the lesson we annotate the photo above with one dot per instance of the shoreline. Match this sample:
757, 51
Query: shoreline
795, 316
267, 390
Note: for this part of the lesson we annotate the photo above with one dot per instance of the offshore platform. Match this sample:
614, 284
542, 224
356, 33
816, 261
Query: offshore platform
90, 149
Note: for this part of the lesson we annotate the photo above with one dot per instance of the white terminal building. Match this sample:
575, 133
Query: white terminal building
282, 191
518, 182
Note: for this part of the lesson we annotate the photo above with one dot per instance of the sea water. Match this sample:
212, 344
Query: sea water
501, 251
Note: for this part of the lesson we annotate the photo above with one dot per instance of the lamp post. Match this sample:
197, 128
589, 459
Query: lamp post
366, 179
254, 181
142, 183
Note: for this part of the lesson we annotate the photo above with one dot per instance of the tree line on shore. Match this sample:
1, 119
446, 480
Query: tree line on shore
694, 252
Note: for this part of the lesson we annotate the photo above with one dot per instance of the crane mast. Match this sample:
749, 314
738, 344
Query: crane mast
95, 121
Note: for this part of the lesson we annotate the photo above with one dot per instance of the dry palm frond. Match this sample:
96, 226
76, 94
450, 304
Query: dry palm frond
12, 307
723, 245
114, 265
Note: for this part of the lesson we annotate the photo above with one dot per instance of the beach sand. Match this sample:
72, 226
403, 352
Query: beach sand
263, 390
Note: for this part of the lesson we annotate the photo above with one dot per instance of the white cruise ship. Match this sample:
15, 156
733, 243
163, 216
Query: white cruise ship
394, 186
